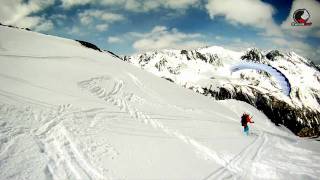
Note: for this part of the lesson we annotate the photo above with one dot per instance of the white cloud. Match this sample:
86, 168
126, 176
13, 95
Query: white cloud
88, 16
114, 39
313, 7
14, 10
169, 4
28, 22
237, 40
58, 16
317, 34
254, 13
181, 3
75, 30
279, 41
294, 45
218, 37
297, 46
94, 16
134, 5
36, 23
102, 27
17, 12
161, 37
237, 44
111, 17
44, 26
70, 3
59, 19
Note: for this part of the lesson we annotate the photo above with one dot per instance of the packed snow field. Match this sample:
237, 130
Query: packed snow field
69, 112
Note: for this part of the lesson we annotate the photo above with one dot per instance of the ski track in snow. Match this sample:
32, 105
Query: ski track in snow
245, 158
111, 91
254, 161
8, 137
65, 159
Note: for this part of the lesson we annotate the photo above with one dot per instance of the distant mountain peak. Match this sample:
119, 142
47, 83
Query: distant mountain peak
206, 71
253, 54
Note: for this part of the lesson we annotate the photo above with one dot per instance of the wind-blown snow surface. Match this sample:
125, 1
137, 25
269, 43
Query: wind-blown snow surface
69, 112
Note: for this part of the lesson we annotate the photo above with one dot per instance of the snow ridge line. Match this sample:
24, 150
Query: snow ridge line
65, 161
98, 87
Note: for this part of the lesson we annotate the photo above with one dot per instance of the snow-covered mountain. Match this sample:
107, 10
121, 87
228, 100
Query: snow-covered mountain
71, 112
207, 71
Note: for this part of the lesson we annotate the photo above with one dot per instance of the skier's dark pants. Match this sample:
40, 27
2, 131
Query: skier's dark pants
246, 130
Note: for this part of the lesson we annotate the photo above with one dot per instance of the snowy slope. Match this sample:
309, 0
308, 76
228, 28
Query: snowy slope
207, 71
69, 112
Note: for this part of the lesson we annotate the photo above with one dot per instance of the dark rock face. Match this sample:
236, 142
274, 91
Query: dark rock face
253, 55
278, 111
11, 26
208, 58
144, 60
273, 54
114, 55
315, 66
168, 79
89, 45
184, 52
214, 60
161, 65
202, 57
126, 59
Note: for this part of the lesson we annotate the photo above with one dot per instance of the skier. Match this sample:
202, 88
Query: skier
245, 119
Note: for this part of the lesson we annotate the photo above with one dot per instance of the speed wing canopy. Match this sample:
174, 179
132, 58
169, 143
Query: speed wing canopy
279, 76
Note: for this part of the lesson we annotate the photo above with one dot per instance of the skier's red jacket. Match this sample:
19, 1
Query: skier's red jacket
248, 120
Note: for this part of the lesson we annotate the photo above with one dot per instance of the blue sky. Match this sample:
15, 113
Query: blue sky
130, 26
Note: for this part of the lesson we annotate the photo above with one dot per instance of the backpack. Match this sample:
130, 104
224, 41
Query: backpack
244, 119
